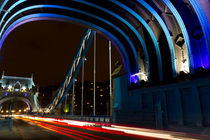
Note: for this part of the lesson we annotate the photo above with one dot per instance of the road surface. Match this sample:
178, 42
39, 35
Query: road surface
42, 128
34, 130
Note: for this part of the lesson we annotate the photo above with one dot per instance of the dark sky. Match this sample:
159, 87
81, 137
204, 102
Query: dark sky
46, 48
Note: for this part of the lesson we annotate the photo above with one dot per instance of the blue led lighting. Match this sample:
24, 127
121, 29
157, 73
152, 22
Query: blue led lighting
26, 94
3, 4
206, 31
6, 93
10, 8
184, 32
66, 8
140, 19
46, 16
165, 30
131, 27
134, 79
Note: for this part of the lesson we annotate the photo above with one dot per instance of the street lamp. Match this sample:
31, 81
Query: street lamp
94, 80
110, 75
73, 94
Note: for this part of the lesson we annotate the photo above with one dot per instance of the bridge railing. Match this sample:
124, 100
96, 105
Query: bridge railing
97, 119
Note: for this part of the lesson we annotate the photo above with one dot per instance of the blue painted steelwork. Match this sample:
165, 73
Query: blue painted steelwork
48, 6
184, 32
69, 70
131, 27
41, 16
13, 6
66, 8
167, 34
10, 107
141, 20
78, 66
206, 31
33, 17
2, 6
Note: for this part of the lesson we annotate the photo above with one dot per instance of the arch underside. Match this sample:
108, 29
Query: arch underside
25, 100
157, 39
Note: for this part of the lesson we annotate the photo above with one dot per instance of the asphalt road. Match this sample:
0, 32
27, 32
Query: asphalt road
27, 130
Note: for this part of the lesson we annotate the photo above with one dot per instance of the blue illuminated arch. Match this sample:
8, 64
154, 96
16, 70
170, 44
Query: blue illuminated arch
53, 6
206, 31
195, 4
165, 30
45, 16
131, 27
203, 21
141, 20
184, 32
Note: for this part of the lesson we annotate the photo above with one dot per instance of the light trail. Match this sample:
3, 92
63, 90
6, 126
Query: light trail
70, 130
141, 133
79, 125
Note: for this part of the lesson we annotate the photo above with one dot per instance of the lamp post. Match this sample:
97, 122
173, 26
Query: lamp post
83, 75
94, 80
73, 94
110, 76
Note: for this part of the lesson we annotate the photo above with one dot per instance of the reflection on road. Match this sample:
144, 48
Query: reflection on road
85, 130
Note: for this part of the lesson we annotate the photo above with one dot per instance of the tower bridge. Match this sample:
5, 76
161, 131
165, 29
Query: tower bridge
19, 88
158, 40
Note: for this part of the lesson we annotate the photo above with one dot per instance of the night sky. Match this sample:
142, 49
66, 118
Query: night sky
46, 48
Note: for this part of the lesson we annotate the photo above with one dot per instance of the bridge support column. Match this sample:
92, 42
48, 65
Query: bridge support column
179, 107
118, 91
197, 107
127, 104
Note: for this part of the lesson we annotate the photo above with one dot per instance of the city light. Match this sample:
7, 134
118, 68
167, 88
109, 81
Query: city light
134, 79
9, 87
2, 111
23, 88
20, 111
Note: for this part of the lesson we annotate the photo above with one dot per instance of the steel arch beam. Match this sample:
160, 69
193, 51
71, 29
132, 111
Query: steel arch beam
165, 29
134, 52
141, 20
184, 32
41, 16
203, 21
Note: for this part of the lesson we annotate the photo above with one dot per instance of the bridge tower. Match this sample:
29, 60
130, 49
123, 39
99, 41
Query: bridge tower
19, 88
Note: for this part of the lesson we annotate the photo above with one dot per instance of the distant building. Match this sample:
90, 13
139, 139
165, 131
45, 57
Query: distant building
17, 84
20, 89
102, 98
46, 94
